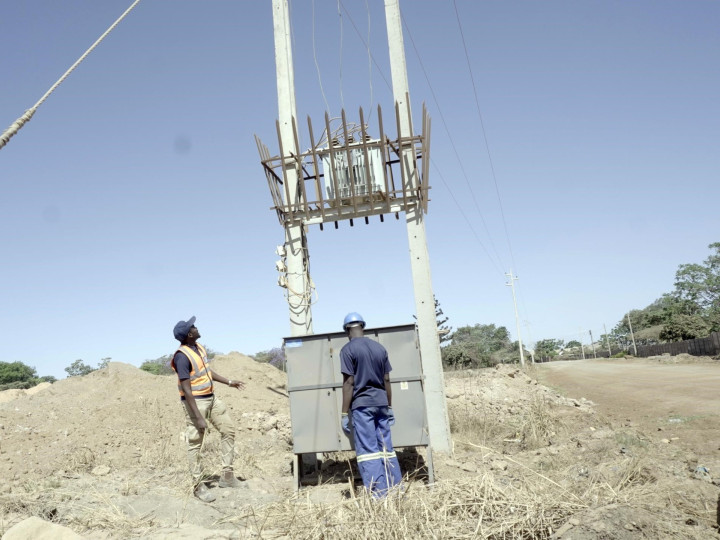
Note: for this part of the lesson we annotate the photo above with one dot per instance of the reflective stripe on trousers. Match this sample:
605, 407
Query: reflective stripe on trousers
376, 457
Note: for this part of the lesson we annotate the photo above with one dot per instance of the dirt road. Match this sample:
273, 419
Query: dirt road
664, 400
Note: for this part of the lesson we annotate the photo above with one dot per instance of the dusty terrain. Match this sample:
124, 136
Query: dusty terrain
103, 456
672, 398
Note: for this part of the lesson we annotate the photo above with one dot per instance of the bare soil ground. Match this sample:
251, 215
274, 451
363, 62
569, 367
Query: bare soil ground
667, 398
104, 456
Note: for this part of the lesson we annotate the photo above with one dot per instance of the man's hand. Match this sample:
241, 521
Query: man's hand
199, 423
391, 417
236, 384
346, 423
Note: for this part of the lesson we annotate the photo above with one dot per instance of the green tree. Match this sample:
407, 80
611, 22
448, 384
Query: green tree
19, 375
444, 331
477, 346
547, 349
275, 357
12, 372
440, 319
104, 363
572, 344
697, 289
78, 368
159, 366
682, 327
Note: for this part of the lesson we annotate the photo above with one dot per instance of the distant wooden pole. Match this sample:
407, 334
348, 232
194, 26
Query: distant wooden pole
607, 342
592, 344
517, 319
632, 335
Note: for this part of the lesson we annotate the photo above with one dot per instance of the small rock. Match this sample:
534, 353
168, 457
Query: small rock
575, 522
562, 530
35, 527
702, 473
101, 470
629, 527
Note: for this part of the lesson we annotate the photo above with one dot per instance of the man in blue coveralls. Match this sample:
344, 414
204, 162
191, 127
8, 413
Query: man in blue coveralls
366, 391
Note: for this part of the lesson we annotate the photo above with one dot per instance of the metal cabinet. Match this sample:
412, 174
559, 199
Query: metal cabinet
315, 389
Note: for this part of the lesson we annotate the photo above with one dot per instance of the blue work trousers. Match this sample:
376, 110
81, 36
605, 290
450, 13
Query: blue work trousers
376, 457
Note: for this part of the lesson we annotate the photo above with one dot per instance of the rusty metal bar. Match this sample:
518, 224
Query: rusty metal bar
383, 149
366, 156
414, 172
288, 207
426, 157
318, 187
298, 170
333, 171
400, 155
351, 173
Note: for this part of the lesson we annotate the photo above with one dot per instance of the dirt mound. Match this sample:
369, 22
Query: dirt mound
121, 416
104, 455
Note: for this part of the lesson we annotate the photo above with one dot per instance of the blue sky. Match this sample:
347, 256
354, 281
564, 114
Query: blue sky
134, 198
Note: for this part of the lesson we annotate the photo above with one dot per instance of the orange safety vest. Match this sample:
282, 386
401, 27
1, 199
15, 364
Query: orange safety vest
200, 377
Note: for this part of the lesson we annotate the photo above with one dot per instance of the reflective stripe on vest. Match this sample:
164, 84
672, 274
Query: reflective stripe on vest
200, 378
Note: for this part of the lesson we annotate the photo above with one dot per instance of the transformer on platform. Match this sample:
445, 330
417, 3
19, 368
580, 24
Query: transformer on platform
315, 389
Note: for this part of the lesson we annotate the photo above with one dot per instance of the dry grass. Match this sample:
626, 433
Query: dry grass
81, 459
483, 507
524, 504
105, 515
539, 423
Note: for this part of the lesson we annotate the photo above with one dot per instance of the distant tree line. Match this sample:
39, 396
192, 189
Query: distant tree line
21, 376
691, 310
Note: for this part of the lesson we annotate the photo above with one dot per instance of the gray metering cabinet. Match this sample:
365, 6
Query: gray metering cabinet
315, 389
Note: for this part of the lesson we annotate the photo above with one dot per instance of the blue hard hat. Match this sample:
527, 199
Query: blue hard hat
352, 318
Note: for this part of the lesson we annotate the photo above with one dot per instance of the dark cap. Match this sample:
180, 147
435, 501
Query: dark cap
182, 328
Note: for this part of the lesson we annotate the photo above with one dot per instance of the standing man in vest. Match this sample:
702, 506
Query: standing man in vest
366, 392
195, 383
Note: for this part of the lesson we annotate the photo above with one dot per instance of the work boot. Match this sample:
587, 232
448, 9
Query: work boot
204, 494
228, 480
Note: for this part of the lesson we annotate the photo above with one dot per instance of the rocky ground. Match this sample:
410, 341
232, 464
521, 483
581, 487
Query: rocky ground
103, 457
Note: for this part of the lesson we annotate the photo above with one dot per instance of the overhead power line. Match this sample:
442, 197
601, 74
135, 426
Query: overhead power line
482, 127
25, 118
452, 143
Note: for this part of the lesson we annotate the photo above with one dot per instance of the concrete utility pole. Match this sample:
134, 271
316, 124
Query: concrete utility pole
607, 342
517, 319
592, 344
298, 280
438, 422
632, 335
